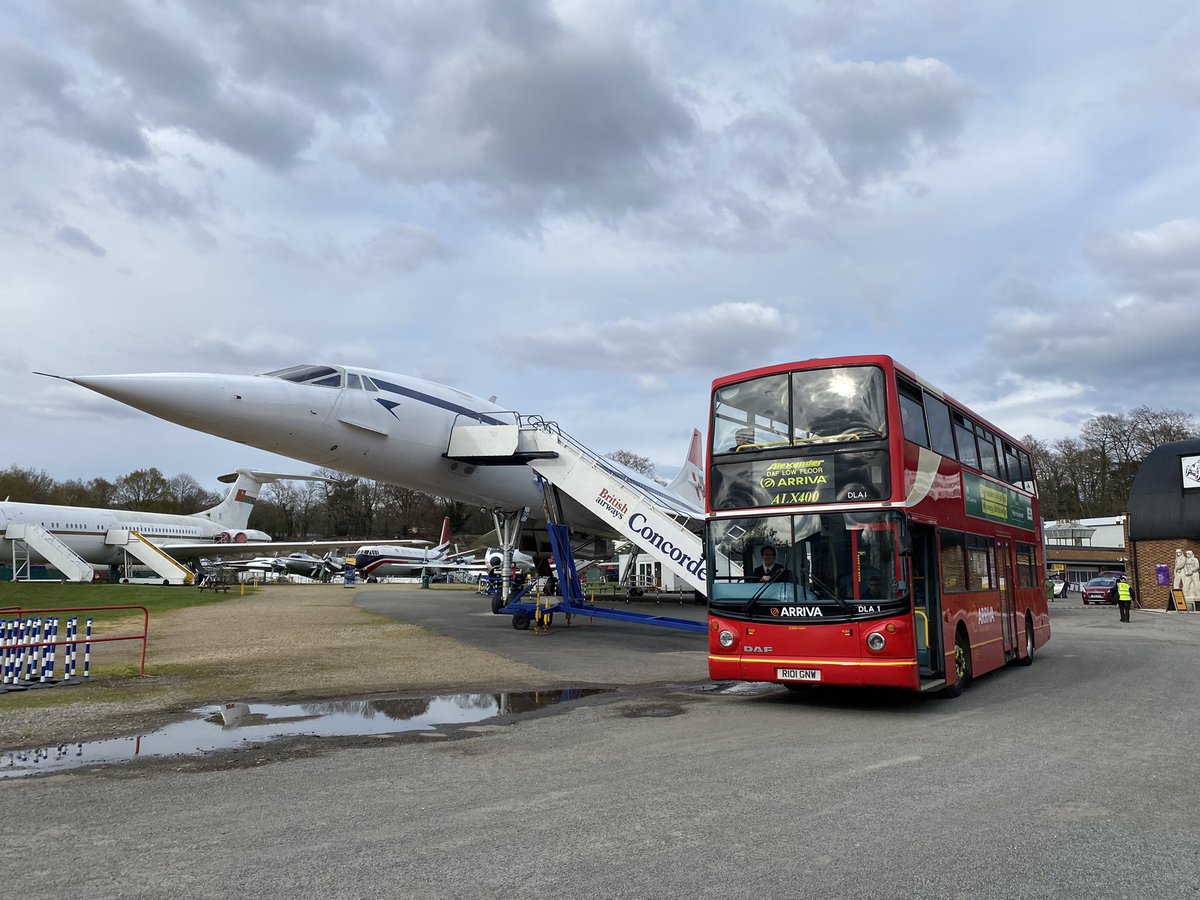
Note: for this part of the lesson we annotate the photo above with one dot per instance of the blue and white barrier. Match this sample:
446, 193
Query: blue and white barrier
29, 652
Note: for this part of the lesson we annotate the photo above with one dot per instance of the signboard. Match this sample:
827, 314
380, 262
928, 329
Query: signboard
1178, 600
800, 480
985, 499
1189, 467
1162, 574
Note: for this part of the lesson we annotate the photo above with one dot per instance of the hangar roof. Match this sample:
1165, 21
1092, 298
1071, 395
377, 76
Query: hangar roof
1160, 507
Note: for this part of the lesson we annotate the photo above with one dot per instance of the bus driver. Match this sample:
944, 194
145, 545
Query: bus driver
769, 570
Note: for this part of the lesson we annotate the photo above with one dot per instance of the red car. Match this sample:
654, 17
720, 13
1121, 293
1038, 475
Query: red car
1102, 589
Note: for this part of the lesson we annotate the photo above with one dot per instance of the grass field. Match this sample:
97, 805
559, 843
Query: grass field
29, 597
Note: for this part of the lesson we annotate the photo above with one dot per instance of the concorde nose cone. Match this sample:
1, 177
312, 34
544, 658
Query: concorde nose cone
186, 398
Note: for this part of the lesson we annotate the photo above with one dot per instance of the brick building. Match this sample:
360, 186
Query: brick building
1164, 517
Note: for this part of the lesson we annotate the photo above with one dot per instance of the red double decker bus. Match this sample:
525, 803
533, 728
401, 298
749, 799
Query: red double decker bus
866, 529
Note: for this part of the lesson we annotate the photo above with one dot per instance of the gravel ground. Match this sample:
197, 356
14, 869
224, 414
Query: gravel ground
284, 643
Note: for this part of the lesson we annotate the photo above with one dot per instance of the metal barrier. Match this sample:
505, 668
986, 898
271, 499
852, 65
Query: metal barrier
29, 646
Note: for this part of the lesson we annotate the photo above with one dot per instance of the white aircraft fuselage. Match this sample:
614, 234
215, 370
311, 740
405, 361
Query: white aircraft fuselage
84, 529
379, 425
395, 430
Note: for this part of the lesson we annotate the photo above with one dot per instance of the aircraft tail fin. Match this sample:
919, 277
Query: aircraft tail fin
234, 511
689, 483
444, 541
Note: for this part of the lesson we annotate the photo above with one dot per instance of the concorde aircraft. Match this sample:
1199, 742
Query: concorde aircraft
374, 424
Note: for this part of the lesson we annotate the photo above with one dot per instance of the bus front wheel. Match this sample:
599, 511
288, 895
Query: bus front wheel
1027, 659
962, 664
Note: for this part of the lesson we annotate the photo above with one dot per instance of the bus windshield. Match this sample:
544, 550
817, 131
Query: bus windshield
822, 566
812, 406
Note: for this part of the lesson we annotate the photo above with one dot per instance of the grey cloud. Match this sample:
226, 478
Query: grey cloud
77, 240
404, 248
304, 49
877, 118
1127, 328
590, 125
178, 87
1161, 262
145, 195
46, 95
721, 337
252, 351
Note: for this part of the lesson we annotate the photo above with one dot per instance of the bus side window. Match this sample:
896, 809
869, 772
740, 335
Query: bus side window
912, 413
964, 434
941, 437
987, 451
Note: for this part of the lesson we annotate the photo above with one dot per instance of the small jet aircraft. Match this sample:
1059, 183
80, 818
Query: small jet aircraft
382, 561
374, 424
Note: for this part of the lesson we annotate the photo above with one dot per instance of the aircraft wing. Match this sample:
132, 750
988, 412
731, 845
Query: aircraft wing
195, 550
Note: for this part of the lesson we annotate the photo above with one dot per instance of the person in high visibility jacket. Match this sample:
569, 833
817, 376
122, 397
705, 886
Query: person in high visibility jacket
1124, 598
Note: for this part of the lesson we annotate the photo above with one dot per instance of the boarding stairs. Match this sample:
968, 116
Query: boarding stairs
27, 537
148, 554
659, 524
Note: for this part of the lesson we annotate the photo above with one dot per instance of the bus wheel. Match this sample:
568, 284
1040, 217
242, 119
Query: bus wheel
962, 665
1027, 659
521, 621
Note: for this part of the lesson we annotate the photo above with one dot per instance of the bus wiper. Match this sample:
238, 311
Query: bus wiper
757, 594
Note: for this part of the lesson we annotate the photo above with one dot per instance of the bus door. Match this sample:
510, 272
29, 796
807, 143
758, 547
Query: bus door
926, 598
1004, 570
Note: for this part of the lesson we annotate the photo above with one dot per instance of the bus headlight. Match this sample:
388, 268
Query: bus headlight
726, 639
875, 641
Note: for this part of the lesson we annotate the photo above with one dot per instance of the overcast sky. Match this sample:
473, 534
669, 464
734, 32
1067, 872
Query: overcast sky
592, 209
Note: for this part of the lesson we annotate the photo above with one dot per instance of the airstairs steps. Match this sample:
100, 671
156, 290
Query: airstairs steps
150, 555
27, 536
657, 522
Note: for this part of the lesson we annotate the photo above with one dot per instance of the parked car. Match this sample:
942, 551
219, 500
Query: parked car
1101, 589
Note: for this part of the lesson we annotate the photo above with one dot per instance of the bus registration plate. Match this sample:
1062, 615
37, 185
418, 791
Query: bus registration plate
798, 674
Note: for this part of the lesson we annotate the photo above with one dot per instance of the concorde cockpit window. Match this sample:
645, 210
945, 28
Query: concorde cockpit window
354, 382
325, 376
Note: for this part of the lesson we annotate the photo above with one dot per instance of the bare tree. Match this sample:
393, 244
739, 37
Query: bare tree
634, 461
26, 485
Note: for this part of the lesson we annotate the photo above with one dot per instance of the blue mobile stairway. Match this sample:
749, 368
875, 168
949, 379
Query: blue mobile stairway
573, 602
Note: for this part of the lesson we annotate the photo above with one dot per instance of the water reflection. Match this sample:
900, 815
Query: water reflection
236, 725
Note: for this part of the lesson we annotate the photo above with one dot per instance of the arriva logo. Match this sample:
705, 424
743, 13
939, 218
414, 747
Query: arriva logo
987, 616
660, 543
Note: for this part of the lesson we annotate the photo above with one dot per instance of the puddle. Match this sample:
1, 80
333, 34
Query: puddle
234, 725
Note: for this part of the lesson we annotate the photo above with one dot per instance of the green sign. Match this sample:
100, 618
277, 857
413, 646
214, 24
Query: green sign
995, 502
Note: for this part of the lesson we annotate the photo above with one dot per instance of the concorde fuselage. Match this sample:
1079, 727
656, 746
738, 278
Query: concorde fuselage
389, 427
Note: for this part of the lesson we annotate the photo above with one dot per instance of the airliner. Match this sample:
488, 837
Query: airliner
379, 425
221, 530
83, 529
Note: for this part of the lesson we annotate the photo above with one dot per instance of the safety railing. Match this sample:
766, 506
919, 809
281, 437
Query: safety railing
29, 641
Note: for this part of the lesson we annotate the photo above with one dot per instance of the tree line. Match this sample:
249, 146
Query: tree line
1090, 475
1078, 477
